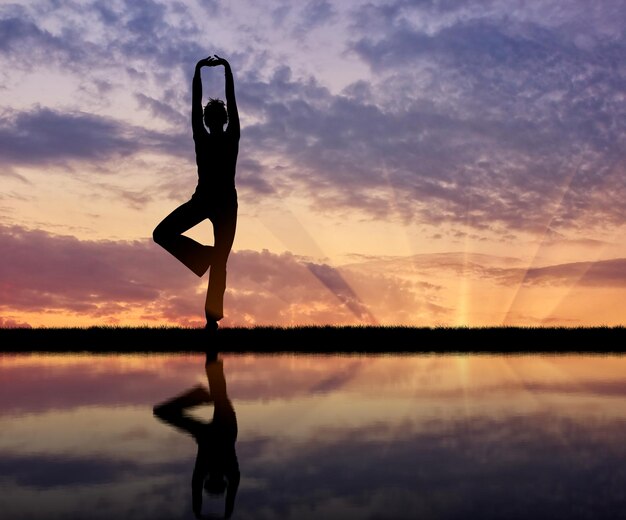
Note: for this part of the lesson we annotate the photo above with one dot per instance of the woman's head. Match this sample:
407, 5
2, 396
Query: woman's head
215, 115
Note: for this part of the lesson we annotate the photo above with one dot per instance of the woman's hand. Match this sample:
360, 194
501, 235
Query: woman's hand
204, 62
215, 60
212, 61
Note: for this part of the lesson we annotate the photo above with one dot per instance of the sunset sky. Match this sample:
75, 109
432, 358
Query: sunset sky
404, 162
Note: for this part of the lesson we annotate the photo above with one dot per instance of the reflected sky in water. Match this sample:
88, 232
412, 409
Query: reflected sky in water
375, 437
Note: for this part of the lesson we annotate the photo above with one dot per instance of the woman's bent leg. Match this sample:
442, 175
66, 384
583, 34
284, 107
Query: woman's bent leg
168, 234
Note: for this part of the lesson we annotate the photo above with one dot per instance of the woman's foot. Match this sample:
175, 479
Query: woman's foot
211, 326
207, 258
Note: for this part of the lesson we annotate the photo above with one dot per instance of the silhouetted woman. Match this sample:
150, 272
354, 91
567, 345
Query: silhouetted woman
215, 197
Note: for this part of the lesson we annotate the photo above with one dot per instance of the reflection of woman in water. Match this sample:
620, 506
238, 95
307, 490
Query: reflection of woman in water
215, 197
216, 469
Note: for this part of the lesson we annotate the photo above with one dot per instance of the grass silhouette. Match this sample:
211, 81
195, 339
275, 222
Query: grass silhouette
322, 340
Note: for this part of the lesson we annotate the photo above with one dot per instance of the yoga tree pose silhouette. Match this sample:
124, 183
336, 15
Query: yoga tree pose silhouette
215, 197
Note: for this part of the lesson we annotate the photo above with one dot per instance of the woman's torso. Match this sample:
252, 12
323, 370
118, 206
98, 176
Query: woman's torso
216, 158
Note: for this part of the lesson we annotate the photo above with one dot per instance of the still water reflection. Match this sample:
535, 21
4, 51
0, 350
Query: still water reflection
422, 436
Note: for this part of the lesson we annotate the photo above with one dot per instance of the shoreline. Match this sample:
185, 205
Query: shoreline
317, 340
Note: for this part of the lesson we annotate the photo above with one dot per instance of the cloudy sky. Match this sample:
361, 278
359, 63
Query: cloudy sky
401, 162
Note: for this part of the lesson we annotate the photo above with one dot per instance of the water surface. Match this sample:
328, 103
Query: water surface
424, 436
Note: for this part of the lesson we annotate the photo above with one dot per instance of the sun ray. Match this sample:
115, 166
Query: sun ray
394, 204
582, 272
461, 363
507, 319
329, 278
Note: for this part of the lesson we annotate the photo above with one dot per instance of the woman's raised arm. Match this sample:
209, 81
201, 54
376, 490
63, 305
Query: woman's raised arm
231, 102
196, 97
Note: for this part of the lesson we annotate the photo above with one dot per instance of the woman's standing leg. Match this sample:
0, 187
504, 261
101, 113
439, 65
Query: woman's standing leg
224, 226
168, 234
